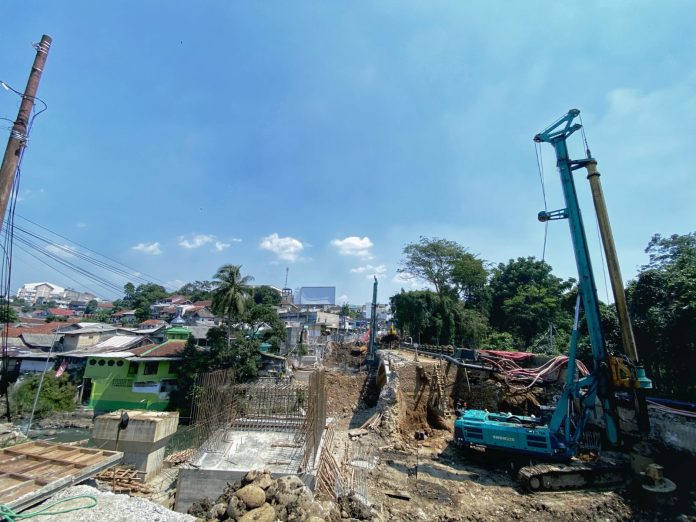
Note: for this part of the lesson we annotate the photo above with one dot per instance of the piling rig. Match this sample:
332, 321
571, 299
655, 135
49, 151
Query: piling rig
551, 442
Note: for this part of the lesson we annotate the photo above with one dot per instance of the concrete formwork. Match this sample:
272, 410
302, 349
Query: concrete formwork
272, 425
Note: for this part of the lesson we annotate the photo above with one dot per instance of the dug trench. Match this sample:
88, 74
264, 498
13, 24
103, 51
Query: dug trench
433, 479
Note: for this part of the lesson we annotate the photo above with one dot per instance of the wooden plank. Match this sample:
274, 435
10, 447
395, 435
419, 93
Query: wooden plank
33, 471
398, 494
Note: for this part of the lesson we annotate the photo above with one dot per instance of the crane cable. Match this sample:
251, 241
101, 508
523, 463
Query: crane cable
540, 166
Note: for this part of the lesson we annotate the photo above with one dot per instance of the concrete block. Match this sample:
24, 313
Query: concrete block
143, 441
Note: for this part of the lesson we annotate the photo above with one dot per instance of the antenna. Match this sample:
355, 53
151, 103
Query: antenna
286, 293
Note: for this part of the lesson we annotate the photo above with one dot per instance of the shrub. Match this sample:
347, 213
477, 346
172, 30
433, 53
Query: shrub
57, 394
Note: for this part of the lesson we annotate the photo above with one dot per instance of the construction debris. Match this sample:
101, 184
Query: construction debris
258, 496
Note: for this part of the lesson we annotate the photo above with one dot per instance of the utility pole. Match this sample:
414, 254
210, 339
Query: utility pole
8, 168
18, 135
373, 324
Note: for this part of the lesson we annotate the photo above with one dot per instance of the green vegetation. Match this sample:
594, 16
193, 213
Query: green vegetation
521, 305
140, 298
242, 356
662, 303
7, 314
266, 295
198, 290
230, 294
57, 394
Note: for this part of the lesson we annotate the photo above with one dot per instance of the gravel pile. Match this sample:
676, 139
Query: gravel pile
110, 508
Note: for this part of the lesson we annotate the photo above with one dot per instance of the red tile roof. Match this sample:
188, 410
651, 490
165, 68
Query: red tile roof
43, 328
60, 311
203, 303
168, 349
105, 305
156, 322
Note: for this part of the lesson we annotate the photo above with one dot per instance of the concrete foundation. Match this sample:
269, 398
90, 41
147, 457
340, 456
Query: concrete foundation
142, 441
226, 458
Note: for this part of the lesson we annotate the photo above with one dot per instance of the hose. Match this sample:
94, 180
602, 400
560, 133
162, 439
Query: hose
10, 516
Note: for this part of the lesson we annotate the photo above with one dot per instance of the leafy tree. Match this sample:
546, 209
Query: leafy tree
259, 314
198, 290
91, 307
469, 276
230, 294
191, 365
526, 298
662, 302
444, 264
7, 314
128, 292
266, 295
471, 326
140, 298
57, 394
498, 341
413, 313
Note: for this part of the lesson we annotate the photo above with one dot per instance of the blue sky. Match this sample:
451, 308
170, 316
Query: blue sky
324, 136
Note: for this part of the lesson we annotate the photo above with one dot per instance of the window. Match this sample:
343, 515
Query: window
151, 368
174, 367
101, 362
119, 363
110, 363
132, 368
92, 362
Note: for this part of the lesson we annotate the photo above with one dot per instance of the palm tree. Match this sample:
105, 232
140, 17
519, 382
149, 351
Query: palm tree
230, 294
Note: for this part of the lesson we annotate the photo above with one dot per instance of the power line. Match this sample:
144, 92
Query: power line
149, 276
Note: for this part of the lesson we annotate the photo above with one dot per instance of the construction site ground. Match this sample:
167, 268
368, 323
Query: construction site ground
434, 480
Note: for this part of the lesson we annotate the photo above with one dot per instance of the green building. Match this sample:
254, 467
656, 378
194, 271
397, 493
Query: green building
137, 378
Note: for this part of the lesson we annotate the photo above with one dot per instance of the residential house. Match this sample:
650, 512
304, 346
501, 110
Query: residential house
317, 325
55, 312
124, 317
38, 293
137, 378
84, 335
272, 365
78, 306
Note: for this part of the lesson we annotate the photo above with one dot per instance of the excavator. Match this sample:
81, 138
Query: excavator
552, 441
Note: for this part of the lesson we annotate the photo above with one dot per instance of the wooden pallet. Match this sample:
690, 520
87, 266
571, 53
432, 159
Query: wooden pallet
33, 471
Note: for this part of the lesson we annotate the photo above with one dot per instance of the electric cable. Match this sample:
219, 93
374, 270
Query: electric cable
150, 278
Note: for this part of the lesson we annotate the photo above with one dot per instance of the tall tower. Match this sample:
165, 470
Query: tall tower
286, 293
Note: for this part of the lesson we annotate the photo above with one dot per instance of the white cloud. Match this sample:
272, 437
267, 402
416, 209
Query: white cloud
342, 299
220, 246
370, 270
408, 280
199, 240
354, 246
80, 224
174, 284
148, 248
196, 241
61, 250
286, 248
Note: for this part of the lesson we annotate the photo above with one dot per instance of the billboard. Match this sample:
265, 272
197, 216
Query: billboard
317, 295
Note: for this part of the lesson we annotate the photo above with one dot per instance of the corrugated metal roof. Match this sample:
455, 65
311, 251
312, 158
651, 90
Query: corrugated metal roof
39, 340
119, 341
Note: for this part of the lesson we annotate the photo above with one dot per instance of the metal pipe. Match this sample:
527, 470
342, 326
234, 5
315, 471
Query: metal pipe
629, 342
